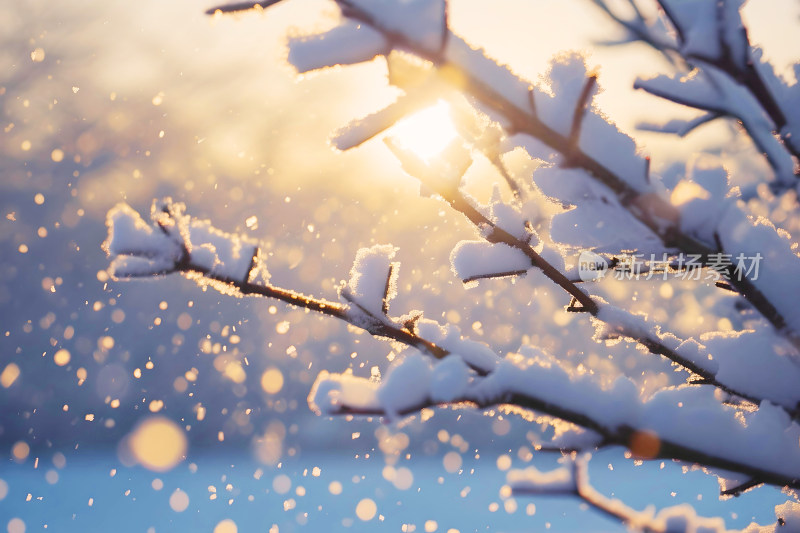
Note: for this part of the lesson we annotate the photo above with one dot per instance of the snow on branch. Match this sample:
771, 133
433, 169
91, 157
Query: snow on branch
722, 73
712, 90
360, 130
573, 479
344, 45
679, 127
138, 249
779, 281
373, 281
683, 423
503, 253
171, 239
594, 144
474, 260
175, 242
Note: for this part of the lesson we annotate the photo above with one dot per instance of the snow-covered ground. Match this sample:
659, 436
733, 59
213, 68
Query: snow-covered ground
93, 492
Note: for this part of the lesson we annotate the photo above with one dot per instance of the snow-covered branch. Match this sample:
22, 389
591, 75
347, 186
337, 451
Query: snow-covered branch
573, 480
684, 423
467, 371
594, 149
721, 73
174, 242
737, 414
509, 248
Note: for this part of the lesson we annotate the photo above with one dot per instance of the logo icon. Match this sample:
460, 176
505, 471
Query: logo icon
591, 267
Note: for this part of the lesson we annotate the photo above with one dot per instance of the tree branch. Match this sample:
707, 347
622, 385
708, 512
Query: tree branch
495, 234
525, 120
747, 76
573, 480
520, 120
583, 101
625, 436
378, 328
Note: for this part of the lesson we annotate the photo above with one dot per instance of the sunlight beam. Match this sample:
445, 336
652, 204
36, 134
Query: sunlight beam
427, 132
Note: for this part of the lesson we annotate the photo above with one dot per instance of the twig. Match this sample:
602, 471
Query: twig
378, 328
494, 275
386, 289
741, 488
581, 104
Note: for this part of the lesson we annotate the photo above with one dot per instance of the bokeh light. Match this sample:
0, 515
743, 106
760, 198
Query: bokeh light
158, 444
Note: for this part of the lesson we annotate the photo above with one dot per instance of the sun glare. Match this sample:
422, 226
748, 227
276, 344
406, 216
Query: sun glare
427, 132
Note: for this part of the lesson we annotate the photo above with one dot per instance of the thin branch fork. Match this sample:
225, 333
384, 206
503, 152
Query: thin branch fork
581, 489
716, 111
748, 77
578, 485
499, 235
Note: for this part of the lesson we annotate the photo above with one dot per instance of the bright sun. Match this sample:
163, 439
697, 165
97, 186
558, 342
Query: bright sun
427, 132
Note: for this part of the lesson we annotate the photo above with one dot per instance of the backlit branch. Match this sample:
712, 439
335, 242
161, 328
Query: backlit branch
619, 323
734, 57
514, 102
522, 385
169, 245
465, 372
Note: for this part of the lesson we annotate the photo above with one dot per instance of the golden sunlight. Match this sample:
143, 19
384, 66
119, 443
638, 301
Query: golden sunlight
427, 132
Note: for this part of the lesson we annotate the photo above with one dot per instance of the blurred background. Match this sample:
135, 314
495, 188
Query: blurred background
106, 386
